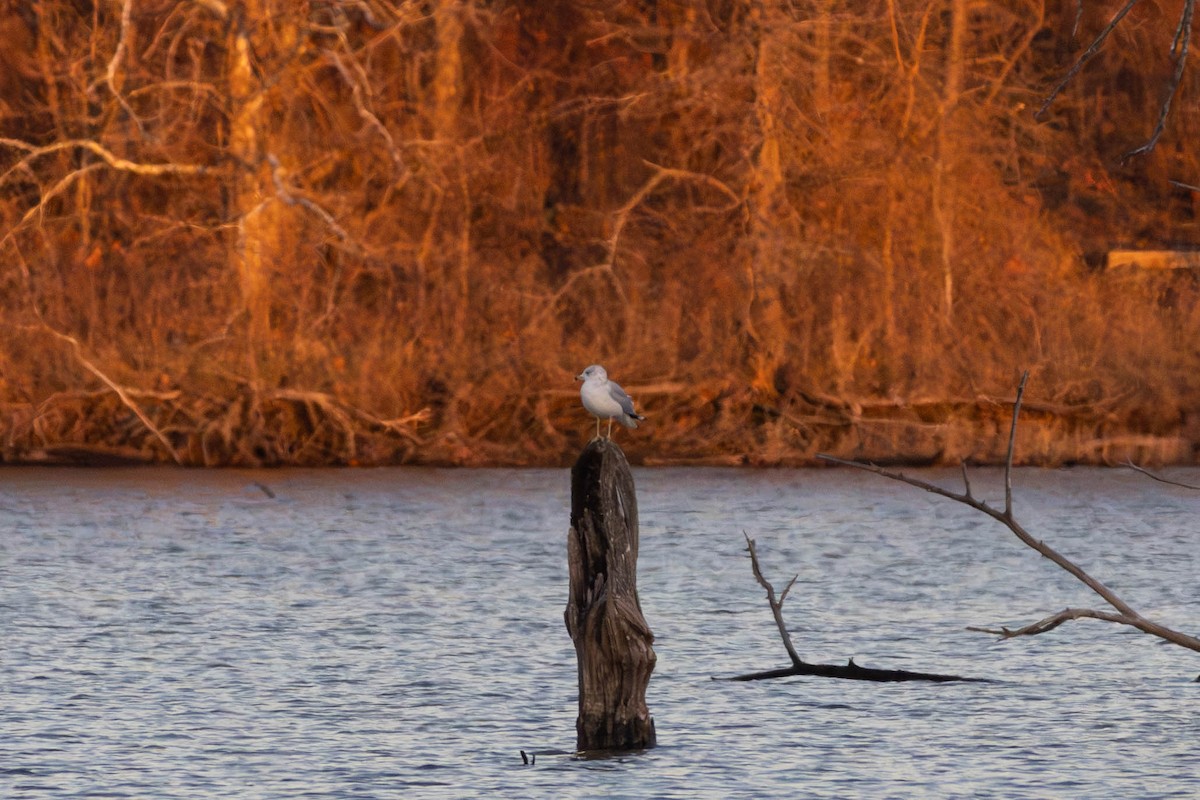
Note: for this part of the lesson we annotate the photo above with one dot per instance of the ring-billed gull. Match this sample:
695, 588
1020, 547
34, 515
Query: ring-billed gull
606, 400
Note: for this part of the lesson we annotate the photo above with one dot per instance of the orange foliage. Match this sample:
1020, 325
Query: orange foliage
365, 232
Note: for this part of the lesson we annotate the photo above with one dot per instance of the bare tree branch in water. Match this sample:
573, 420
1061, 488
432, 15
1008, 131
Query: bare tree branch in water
1180, 46
776, 604
850, 670
1160, 478
1125, 614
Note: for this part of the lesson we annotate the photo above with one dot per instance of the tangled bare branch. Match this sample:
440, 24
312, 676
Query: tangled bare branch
1125, 615
1180, 46
122, 392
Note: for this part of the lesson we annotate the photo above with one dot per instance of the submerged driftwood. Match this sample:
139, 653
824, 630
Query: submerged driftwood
613, 643
850, 671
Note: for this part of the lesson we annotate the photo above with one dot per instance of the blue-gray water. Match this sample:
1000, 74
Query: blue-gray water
398, 633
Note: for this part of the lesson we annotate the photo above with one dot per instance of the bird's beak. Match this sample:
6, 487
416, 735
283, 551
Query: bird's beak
579, 377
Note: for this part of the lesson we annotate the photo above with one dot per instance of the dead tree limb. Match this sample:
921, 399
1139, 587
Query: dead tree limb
279, 179
1180, 46
850, 671
111, 75
113, 160
1050, 623
1160, 478
776, 605
1125, 614
1084, 57
122, 392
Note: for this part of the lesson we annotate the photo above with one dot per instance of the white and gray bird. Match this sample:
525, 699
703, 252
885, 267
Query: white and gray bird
605, 399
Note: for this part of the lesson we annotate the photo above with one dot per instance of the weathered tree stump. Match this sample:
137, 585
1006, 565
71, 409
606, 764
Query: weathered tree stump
613, 643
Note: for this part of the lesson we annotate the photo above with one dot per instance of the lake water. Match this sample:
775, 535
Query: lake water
398, 633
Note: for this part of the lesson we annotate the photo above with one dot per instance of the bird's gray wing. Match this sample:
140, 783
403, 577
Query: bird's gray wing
617, 393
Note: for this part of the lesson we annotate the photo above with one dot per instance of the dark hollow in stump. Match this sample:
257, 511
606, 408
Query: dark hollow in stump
613, 643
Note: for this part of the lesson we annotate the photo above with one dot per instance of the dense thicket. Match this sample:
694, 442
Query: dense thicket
292, 231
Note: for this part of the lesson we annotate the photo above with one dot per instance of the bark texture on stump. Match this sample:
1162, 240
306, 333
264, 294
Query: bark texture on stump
613, 643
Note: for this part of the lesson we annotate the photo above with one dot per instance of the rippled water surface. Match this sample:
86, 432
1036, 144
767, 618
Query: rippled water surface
398, 633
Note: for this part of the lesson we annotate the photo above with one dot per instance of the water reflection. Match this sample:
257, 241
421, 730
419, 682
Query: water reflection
399, 633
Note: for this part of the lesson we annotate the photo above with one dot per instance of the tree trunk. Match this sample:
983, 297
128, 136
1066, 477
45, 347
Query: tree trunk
613, 643
766, 323
944, 187
251, 252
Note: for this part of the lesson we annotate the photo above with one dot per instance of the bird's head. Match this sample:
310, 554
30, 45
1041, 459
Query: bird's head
595, 370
